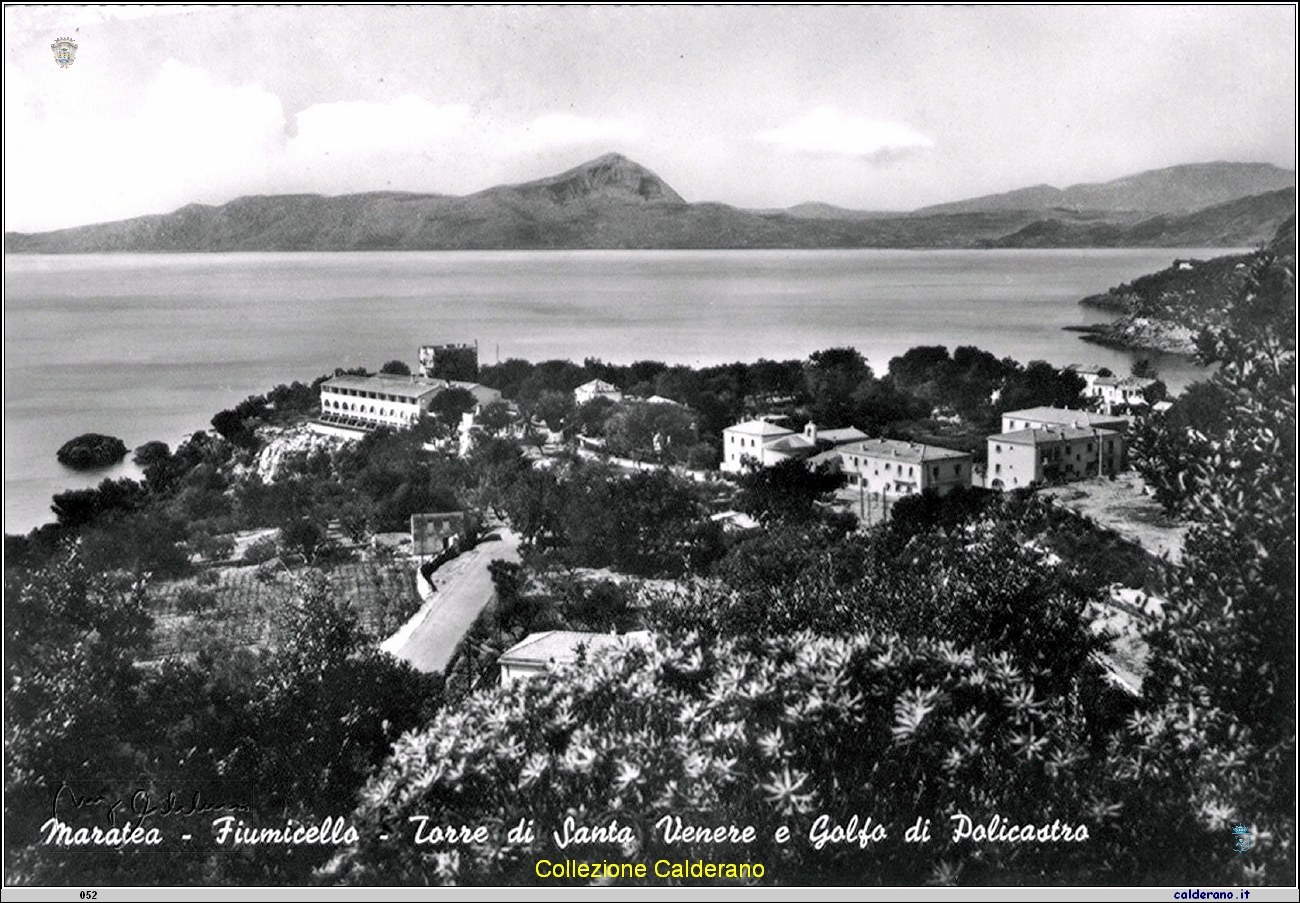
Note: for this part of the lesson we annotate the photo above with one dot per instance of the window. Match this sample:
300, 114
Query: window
935, 471
997, 468
999, 449
956, 470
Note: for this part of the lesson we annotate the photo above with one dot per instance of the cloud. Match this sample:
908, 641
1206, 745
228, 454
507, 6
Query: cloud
562, 129
828, 131
409, 123
68, 153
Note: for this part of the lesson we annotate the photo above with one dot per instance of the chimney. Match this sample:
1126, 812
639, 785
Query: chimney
810, 432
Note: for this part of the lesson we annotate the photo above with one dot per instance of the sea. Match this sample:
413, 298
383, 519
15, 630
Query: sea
150, 346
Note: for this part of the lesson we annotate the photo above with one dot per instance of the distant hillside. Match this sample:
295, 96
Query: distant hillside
1239, 223
1177, 189
613, 202
1167, 310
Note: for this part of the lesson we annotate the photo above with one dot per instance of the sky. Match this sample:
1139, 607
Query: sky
876, 108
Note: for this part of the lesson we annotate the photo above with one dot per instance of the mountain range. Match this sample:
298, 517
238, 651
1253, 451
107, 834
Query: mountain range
613, 202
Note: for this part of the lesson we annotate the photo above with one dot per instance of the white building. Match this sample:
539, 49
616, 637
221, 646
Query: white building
767, 443
1045, 418
895, 467
539, 652
1032, 456
757, 440
356, 404
596, 388
1126, 390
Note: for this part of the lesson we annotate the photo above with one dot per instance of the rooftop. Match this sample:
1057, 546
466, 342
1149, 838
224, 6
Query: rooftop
1066, 416
840, 436
897, 449
1135, 382
1060, 434
789, 442
413, 387
762, 428
561, 646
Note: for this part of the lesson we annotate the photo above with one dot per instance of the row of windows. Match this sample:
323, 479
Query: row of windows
362, 409
378, 396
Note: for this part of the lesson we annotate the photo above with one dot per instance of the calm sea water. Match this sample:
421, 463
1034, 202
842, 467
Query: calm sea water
151, 346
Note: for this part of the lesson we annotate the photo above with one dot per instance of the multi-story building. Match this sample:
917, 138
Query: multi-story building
1029, 457
453, 362
895, 467
767, 443
1045, 418
352, 404
1117, 390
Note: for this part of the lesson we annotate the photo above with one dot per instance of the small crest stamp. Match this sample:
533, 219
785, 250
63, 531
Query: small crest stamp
65, 51
1242, 833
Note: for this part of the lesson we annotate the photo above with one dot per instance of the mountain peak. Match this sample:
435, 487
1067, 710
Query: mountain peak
610, 176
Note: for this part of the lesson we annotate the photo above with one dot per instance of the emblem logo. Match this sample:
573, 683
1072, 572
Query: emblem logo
65, 51
1242, 833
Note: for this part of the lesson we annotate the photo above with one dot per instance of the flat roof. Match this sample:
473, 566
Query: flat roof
898, 450
561, 646
414, 387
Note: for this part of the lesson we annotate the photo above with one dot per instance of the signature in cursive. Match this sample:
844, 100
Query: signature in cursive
140, 804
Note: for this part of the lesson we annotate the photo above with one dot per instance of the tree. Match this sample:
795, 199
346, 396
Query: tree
1223, 652
71, 639
788, 490
399, 368
657, 432
495, 418
552, 407
832, 377
449, 404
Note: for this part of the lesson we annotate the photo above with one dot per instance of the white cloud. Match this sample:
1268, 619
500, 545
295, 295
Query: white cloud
562, 129
409, 123
66, 153
826, 130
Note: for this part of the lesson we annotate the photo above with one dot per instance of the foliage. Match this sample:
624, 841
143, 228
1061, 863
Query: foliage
495, 418
983, 586
292, 734
71, 640
718, 734
449, 404
78, 507
261, 550
1227, 641
655, 432
787, 491
396, 367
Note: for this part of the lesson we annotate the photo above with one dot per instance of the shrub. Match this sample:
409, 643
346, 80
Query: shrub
261, 550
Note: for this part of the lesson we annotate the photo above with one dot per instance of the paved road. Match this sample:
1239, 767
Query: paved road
464, 589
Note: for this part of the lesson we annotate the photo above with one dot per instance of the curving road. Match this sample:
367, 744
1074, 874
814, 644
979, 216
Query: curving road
464, 588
